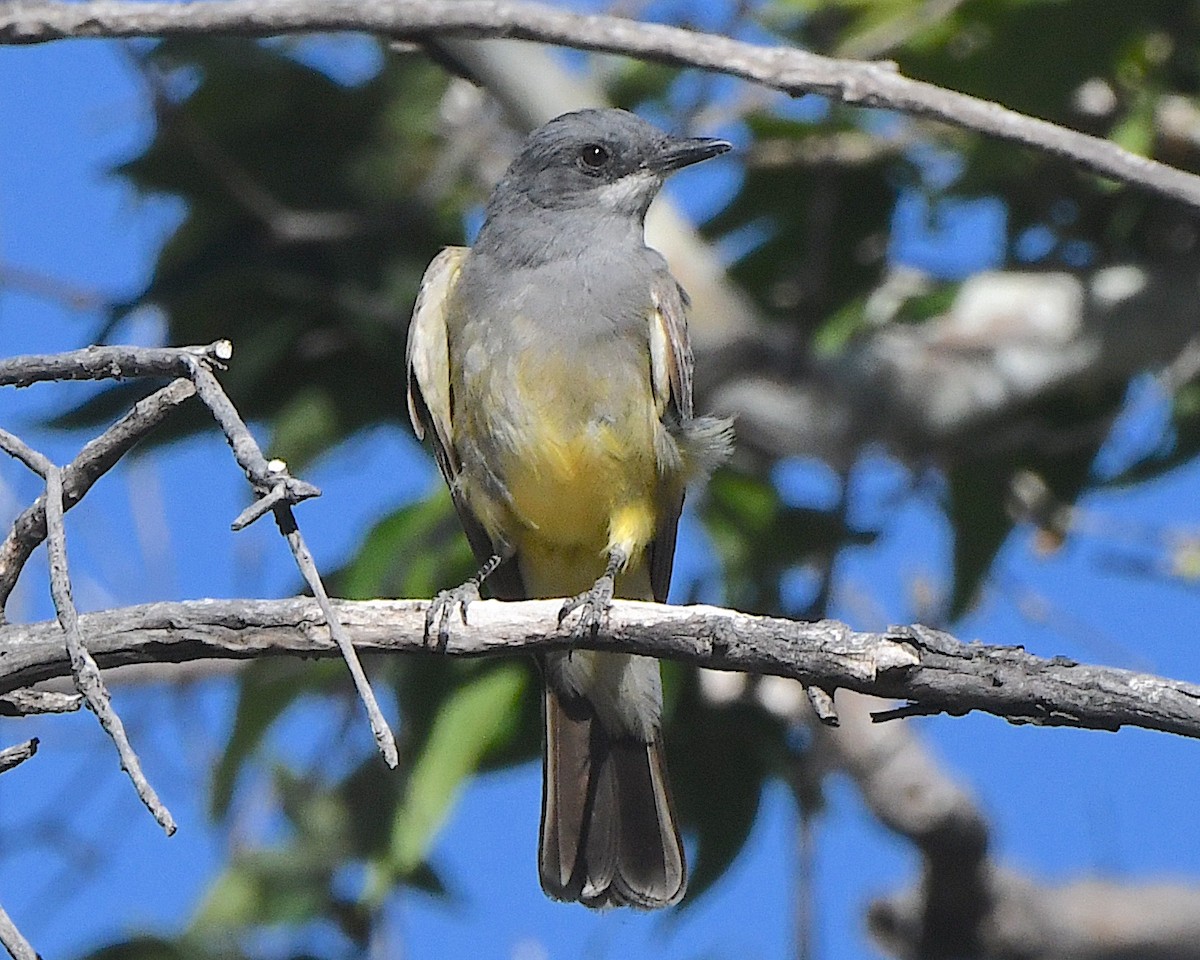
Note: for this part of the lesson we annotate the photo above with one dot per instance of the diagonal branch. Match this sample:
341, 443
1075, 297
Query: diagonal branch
914, 664
869, 84
83, 667
10, 938
16, 755
277, 490
94, 460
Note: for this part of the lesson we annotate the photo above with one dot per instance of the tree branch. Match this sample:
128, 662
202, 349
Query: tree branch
915, 664
83, 667
10, 937
277, 491
783, 68
94, 460
15, 755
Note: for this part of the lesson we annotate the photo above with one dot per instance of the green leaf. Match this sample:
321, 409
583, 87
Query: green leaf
265, 689
265, 887
413, 552
158, 948
475, 719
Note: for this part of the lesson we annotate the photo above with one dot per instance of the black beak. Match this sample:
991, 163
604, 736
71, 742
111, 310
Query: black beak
676, 152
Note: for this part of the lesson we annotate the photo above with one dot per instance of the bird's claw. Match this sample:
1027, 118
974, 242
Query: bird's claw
442, 608
593, 606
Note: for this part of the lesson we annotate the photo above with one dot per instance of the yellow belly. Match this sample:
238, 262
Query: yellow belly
574, 448
578, 497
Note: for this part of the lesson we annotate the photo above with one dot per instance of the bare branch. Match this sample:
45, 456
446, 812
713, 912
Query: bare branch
14, 756
17, 448
109, 363
278, 491
26, 703
967, 905
94, 460
909, 663
793, 71
10, 937
83, 668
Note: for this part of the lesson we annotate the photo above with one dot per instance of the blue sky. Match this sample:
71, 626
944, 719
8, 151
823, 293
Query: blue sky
81, 863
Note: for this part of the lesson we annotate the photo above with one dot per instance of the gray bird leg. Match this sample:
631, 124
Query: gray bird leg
442, 606
594, 604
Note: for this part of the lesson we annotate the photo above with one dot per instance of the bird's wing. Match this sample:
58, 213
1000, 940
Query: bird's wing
431, 411
671, 368
428, 360
670, 348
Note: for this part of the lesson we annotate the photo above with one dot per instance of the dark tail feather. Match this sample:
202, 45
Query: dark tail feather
608, 828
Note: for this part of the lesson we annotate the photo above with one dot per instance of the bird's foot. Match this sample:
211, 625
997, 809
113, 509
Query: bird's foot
593, 606
442, 608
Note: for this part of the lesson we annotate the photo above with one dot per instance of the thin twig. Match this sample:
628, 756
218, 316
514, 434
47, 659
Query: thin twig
27, 703
17, 946
83, 667
109, 363
279, 490
379, 725
94, 460
18, 449
869, 84
15, 755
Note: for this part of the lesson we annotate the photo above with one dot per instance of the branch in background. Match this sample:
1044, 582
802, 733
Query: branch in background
968, 383
35, 284
783, 68
921, 666
967, 905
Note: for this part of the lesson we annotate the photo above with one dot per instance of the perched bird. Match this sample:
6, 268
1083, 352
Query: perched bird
551, 367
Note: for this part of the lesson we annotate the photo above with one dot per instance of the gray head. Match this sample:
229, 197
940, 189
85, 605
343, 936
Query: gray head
606, 162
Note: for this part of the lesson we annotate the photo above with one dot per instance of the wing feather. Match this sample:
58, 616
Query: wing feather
671, 367
670, 347
431, 408
428, 358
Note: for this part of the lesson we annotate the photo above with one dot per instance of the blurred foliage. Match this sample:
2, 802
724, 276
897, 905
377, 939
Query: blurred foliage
312, 209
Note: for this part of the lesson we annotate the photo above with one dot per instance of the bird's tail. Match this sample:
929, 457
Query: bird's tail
608, 832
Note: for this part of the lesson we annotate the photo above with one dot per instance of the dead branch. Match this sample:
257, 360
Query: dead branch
869, 84
83, 667
276, 492
12, 941
15, 755
926, 668
93, 461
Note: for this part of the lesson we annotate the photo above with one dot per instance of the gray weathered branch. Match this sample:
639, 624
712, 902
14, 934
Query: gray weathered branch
924, 667
277, 491
10, 938
94, 460
783, 68
17, 754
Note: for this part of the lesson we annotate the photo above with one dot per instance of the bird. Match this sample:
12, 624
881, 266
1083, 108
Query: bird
549, 364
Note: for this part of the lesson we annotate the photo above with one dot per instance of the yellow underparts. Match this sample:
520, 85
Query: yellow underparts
579, 497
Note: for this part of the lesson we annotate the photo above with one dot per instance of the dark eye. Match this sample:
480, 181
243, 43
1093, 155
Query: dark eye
593, 156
